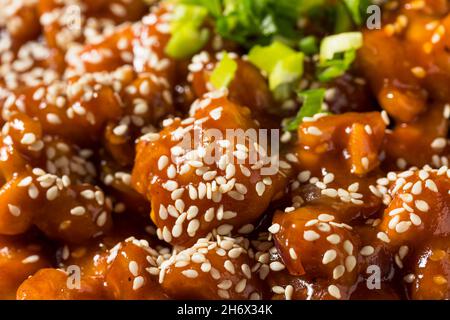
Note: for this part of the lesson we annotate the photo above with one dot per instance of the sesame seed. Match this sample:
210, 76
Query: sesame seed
310, 235
288, 292
133, 267
260, 188
14, 210
313, 131
329, 256
431, 185
334, 239
439, 143
334, 291
138, 282
78, 211
276, 266
415, 219
385, 117
240, 286
225, 284
101, 220
30, 259
193, 227
28, 139
348, 247
367, 251
224, 229
190, 273
338, 272
325, 217
274, 228
332, 193
228, 265
422, 205
350, 263
383, 237
278, 290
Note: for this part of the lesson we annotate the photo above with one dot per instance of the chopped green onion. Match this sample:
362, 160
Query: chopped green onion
312, 104
353, 7
213, 6
343, 19
187, 36
186, 41
282, 64
336, 67
265, 58
187, 14
339, 43
224, 72
251, 22
286, 70
308, 45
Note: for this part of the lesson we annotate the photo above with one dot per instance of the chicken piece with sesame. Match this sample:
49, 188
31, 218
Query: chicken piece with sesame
143, 75
352, 138
338, 159
247, 88
20, 257
420, 207
20, 19
30, 195
416, 37
423, 141
428, 277
200, 173
83, 268
66, 24
133, 269
77, 110
220, 269
58, 284
313, 243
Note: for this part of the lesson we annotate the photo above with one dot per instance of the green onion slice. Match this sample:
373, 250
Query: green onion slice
224, 72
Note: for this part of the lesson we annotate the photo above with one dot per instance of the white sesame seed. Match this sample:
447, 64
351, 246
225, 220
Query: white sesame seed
274, 228
101, 220
78, 211
383, 237
439, 143
134, 268
28, 139
30, 259
288, 292
350, 263
276, 266
367, 251
138, 282
190, 273
431, 185
415, 219
329, 256
402, 226
334, 291
310, 235
338, 271
14, 210
240, 286
228, 265
348, 247
422, 205
334, 239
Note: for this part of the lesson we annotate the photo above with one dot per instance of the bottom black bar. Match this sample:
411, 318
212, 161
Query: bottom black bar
163, 310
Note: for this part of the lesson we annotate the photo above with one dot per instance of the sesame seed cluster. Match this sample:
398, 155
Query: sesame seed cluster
126, 174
